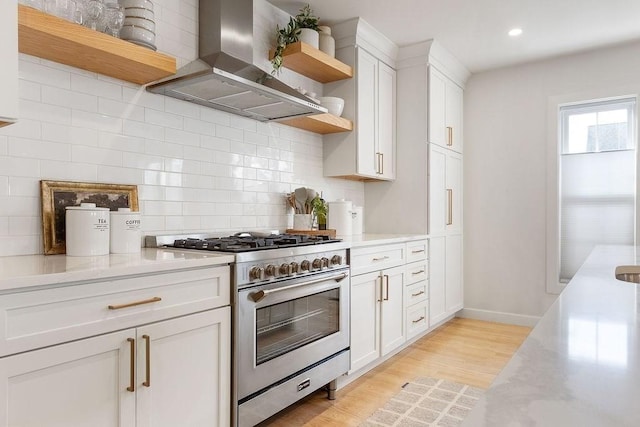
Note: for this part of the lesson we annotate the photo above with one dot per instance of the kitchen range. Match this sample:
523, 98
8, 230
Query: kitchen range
290, 303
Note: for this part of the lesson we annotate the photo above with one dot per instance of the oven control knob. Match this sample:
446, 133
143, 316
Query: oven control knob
305, 265
270, 271
325, 262
256, 273
295, 267
317, 263
336, 260
285, 269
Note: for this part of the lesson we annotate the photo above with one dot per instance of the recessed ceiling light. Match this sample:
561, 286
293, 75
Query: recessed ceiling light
515, 32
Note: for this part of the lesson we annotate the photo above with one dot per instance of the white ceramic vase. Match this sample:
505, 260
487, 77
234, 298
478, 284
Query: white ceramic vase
327, 42
310, 37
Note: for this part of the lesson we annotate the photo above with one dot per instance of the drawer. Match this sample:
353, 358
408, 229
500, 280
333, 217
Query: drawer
44, 317
417, 292
417, 251
374, 258
417, 319
416, 272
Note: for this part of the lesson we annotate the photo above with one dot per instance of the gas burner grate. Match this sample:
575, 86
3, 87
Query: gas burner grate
246, 243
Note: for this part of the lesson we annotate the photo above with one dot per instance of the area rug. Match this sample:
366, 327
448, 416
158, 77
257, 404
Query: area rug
427, 402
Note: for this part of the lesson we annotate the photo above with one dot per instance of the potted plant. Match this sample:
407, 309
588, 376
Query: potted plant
320, 207
302, 27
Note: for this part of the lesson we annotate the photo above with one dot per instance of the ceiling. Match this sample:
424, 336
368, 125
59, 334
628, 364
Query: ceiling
475, 31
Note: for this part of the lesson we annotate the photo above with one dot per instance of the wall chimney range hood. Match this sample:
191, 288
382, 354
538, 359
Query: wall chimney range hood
224, 77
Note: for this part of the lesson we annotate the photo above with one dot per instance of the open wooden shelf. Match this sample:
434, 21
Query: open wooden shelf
321, 123
330, 232
49, 37
313, 63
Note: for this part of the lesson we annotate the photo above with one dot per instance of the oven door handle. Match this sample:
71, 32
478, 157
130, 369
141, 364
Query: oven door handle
259, 295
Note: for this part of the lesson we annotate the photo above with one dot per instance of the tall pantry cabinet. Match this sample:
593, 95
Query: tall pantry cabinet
9, 69
427, 195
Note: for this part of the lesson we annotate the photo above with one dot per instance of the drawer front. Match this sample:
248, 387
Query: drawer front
417, 292
417, 319
416, 272
417, 251
364, 260
50, 316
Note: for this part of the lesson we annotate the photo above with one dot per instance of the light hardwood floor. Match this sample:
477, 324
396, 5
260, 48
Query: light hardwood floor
462, 350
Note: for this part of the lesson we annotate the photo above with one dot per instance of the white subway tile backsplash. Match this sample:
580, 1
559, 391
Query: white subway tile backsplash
17, 206
181, 108
17, 166
4, 187
153, 192
143, 130
24, 225
198, 208
24, 186
165, 149
4, 225
163, 178
160, 118
256, 162
120, 109
38, 73
214, 116
229, 133
4, 150
97, 121
67, 171
142, 161
23, 128
96, 87
182, 137
151, 223
256, 138
120, 175
182, 165
163, 207
67, 98
216, 169
119, 142
140, 97
257, 186
197, 153
83, 136
215, 143
44, 112
223, 183
29, 90
98, 156
229, 158
199, 126
20, 245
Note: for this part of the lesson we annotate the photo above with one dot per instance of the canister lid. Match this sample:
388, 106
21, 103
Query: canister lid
86, 207
124, 211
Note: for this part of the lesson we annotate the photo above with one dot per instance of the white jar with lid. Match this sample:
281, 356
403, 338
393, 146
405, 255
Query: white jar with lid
339, 217
125, 231
87, 230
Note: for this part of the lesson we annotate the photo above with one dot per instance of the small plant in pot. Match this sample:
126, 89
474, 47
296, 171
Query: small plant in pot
303, 27
320, 208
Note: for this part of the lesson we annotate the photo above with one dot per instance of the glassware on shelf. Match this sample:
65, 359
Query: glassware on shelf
93, 12
64, 9
113, 18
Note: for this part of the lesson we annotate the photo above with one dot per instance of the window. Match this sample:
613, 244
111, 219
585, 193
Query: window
597, 179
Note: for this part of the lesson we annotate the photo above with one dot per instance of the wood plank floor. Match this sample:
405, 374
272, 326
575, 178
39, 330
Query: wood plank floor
463, 350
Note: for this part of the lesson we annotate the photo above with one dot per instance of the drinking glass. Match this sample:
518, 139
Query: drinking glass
114, 18
93, 10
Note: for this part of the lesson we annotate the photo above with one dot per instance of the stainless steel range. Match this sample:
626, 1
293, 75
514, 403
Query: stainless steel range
291, 316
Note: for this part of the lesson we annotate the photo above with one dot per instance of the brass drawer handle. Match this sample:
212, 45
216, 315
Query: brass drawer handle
417, 272
147, 339
418, 251
133, 304
380, 259
132, 375
449, 206
449, 136
418, 320
418, 294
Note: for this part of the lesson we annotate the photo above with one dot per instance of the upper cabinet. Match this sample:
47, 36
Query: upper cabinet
9, 69
445, 111
369, 152
49, 37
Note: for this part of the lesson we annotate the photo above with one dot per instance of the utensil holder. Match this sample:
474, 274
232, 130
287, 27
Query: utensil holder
302, 221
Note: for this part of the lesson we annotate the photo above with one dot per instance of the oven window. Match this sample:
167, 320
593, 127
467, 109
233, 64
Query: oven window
284, 327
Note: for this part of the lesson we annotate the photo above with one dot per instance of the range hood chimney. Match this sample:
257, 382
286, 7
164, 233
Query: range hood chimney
224, 77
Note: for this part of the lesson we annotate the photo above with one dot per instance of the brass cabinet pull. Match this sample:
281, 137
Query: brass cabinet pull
380, 259
381, 163
449, 136
417, 251
132, 375
418, 320
379, 277
378, 163
147, 339
449, 206
418, 294
133, 304
417, 272
387, 286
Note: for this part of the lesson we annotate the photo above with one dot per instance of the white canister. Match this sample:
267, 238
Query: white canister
125, 231
310, 37
358, 211
339, 217
302, 221
327, 44
87, 230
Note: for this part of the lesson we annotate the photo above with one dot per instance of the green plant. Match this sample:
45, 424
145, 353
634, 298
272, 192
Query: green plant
306, 18
289, 34
320, 208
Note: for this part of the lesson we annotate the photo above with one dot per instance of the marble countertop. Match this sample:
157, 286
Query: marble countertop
18, 272
580, 366
369, 239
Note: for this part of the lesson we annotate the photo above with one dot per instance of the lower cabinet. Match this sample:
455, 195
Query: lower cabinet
445, 277
377, 315
168, 373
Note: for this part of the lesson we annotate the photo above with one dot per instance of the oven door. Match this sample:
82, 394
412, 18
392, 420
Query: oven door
287, 326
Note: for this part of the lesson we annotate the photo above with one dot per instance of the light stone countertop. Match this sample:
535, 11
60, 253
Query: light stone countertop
19, 272
369, 239
580, 366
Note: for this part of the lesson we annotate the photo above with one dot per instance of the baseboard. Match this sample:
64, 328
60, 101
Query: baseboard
497, 316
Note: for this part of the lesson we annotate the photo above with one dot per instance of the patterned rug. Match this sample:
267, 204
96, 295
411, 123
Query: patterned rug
427, 402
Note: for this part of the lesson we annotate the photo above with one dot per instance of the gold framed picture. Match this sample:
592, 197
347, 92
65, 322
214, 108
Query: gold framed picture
57, 195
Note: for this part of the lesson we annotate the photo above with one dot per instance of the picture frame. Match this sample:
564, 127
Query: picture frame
57, 195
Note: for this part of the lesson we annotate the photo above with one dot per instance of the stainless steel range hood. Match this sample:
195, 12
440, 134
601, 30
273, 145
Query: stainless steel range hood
224, 76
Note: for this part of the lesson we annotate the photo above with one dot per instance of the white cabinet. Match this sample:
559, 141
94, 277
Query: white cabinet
445, 277
445, 111
370, 99
417, 289
445, 191
156, 370
9, 55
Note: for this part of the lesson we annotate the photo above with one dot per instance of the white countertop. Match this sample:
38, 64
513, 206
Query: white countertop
17, 272
369, 239
580, 366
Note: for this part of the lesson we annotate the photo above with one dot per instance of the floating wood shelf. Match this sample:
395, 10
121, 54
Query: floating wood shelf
49, 37
321, 123
330, 232
313, 63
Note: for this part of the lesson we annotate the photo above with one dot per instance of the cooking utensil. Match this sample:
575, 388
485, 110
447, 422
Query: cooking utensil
311, 194
301, 197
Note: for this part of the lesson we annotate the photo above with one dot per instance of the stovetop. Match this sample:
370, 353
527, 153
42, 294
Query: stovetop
244, 242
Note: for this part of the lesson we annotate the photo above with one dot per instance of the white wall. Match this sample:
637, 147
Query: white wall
196, 168
505, 170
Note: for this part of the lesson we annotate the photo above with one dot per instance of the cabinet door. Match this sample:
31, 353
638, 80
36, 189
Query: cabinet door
366, 126
9, 55
365, 319
184, 371
453, 115
386, 120
453, 186
83, 383
438, 195
453, 274
437, 112
392, 325
437, 277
